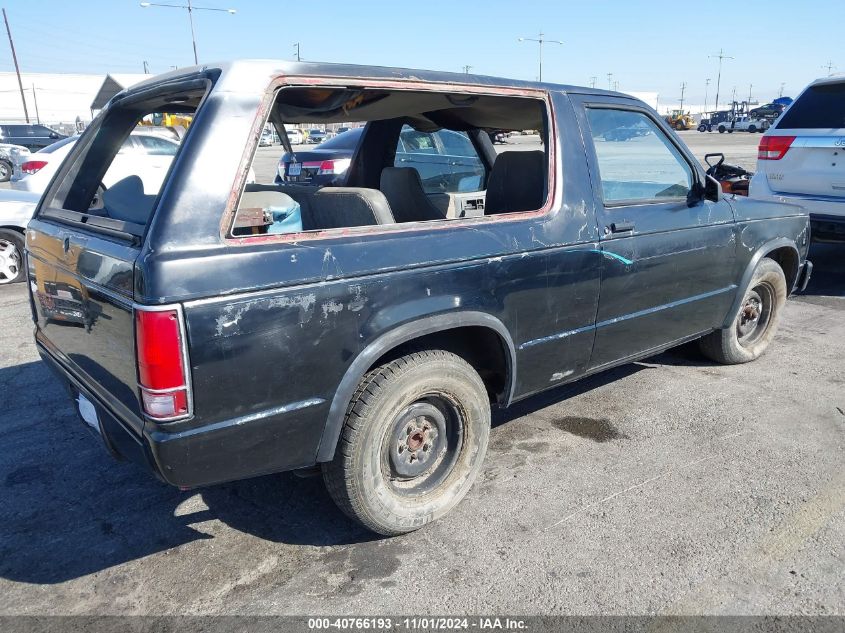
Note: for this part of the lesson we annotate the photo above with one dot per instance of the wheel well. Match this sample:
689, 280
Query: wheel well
16, 229
787, 259
481, 347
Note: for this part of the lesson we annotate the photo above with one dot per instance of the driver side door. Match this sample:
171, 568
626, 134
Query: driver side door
669, 265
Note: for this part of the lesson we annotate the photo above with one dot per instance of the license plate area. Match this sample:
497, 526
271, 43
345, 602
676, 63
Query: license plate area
294, 169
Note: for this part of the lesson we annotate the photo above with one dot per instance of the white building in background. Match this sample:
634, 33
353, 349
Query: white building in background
59, 99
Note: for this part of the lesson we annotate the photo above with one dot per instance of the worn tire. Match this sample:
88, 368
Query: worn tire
11, 257
725, 345
359, 478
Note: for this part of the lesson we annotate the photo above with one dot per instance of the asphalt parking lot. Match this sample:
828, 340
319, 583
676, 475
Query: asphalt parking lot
668, 486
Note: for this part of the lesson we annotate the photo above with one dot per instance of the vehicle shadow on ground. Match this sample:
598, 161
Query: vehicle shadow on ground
70, 510
828, 278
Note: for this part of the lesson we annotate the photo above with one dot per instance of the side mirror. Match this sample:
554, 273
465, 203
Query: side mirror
54, 135
712, 189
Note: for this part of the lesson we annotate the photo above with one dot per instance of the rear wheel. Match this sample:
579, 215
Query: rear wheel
6, 170
757, 321
413, 442
721, 129
11, 257
702, 128
752, 128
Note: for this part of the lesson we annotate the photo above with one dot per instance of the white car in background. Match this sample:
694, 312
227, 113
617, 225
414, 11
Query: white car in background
16, 209
11, 155
801, 158
146, 154
295, 136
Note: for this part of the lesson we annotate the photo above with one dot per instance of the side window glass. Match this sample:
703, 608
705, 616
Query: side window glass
445, 160
637, 161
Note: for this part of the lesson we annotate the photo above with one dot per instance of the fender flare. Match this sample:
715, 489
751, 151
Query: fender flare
745, 280
392, 339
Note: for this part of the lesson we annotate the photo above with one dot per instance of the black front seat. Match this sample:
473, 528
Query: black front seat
404, 191
517, 182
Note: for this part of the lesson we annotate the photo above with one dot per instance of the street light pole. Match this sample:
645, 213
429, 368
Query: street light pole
296, 46
190, 8
706, 86
540, 40
721, 56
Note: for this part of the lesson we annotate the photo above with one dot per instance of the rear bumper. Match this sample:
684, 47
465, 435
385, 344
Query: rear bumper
215, 453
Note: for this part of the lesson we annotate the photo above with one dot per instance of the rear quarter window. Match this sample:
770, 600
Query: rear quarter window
820, 106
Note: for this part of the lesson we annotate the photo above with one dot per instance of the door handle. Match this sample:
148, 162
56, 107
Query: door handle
621, 227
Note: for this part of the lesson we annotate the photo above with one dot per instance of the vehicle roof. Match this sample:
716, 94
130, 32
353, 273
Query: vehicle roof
247, 74
835, 78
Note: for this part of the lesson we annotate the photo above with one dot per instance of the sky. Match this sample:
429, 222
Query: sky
647, 45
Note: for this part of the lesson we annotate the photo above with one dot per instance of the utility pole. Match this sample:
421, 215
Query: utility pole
593, 82
146, 68
683, 89
35, 99
467, 68
829, 67
750, 86
540, 40
706, 87
191, 8
610, 81
721, 56
296, 46
780, 94
616, 86
17, 69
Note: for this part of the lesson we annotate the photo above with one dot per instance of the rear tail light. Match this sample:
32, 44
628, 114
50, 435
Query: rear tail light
33, 166
774, 147
337, 166
162, 364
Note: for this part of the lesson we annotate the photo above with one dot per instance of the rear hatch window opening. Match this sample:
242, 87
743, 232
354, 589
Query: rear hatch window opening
110, 184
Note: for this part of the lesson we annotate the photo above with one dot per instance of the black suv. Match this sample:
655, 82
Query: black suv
31, 135
226, 326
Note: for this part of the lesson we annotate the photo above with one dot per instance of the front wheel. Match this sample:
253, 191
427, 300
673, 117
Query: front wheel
752, 128
757, 321
721, 129
413, 442
11, 257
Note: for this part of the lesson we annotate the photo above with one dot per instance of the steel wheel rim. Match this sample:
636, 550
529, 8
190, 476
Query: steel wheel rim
10, 261
422, 445
755, 314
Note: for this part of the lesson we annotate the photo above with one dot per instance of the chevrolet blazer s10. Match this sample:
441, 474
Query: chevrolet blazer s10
222, 325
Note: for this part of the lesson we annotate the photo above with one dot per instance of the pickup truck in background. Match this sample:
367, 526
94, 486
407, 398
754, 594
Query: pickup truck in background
229, 327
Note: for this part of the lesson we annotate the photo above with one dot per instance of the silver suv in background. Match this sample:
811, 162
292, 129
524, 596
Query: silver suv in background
801, 158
